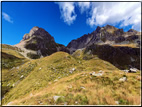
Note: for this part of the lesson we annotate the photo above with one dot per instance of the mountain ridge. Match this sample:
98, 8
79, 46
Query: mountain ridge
105, 35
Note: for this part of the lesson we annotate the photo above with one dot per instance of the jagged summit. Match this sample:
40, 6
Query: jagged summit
36, 31
110, 27
106, 35
40, 41
98, 29
132, 30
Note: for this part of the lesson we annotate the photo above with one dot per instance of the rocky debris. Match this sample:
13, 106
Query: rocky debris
101, 71
55, 80
8, 84
65, 103
123, 79
97, 74
92, 73
17, 67
89, 52
10, 103
133, 70
12, 68
76, 102
126, 71
40, 102
56, 97
13, 85
138, 78
71, 71
31, 95
116, 102
70, 86
82, 87
21, 76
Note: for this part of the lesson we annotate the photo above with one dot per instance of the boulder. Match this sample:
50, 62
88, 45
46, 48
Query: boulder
98, 74
92, 73
126, 71
133, 70
56, 98
123, 79
21, 76
55, 80
101, 71
117, 102
82, 87
71, 71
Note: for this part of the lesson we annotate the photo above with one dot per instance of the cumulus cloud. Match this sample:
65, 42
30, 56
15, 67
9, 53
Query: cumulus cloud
102, 13
83, 6
67, 10
128, 13
7, 17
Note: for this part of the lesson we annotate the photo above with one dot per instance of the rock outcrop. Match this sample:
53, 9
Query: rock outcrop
41, 41
106, 35
119, 56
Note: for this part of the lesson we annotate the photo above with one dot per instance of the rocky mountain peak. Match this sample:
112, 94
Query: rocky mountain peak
39, 33
33, 30
110, 29
106, 35
98, 28
132, 30
41, 42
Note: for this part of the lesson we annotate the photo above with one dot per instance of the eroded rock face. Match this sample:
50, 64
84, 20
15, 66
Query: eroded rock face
33, 30
26, 36
42, 42
121, 57
105, 35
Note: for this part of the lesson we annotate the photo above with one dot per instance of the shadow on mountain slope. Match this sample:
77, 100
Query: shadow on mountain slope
121, 57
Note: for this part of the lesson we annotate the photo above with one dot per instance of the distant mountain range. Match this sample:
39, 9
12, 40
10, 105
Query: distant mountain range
44, 44
106, 35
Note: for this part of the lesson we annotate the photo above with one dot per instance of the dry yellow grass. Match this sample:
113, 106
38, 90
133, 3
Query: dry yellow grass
126, 45
103, 90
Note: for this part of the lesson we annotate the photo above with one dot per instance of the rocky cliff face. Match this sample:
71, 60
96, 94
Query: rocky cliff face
121, 57
41, 41
106, 35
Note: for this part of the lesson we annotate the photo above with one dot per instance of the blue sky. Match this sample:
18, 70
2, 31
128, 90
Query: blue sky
66, 21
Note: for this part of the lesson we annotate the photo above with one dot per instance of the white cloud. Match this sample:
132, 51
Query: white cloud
83, 6
7, 17
129, 13
102, 13
67, 10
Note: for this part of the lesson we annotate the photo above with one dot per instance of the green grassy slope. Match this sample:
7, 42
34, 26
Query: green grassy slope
11, 60
61, 74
